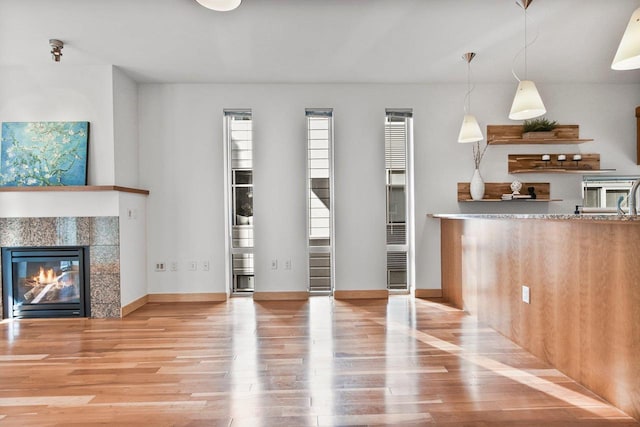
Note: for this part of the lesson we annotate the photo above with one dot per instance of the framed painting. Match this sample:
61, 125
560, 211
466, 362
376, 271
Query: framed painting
43, 154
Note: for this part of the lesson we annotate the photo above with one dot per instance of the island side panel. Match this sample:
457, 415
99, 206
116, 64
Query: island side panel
610, 307
451, 261
584, 279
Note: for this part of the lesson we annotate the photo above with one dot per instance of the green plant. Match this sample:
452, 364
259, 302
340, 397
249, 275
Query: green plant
538, 125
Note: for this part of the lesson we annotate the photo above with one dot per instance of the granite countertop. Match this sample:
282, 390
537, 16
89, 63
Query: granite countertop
582, 217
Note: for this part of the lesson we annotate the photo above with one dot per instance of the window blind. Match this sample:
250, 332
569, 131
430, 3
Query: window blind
319, 204
396, 138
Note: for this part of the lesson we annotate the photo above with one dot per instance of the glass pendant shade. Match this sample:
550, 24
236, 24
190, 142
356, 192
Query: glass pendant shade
220, 5
628, 54
470, 130
527, 103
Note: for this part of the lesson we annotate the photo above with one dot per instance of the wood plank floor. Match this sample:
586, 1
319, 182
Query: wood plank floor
315, 363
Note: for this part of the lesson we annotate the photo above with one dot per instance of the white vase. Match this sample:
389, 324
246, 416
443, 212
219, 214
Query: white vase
477, 186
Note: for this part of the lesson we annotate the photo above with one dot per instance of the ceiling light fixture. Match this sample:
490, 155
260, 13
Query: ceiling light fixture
220, 5
470, 129
527, 102
628, 53
56, 49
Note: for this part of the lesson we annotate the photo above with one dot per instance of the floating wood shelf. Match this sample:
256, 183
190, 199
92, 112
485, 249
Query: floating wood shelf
493, 192
512, 135
533, 141
533, 163
75, 188
569, 171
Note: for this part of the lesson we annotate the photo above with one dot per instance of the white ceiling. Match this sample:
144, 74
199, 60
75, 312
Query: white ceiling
361, 41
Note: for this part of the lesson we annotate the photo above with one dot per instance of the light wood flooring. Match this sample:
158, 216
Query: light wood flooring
315, 363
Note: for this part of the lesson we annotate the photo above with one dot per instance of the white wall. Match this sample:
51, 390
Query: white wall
57, 92
181, 159
133, 245
58, 204
605, 112
181, 162
125, 129
279, 194
181, 165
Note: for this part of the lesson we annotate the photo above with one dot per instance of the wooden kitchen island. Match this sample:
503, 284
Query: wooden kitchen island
583, 274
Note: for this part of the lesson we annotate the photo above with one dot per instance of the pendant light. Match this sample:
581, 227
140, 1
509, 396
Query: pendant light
527, 102
470, 130
628, 54
220, 5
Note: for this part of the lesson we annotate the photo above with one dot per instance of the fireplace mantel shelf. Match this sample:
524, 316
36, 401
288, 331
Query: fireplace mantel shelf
77, 188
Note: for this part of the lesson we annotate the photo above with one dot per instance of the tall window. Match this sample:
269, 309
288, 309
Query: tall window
239, 141
319, 199
397, 137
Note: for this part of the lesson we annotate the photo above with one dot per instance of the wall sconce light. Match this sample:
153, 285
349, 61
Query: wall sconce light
470, 129
628, 54
527, 102
220, 5
56, 49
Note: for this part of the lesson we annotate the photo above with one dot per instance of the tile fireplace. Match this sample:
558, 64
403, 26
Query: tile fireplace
99, 241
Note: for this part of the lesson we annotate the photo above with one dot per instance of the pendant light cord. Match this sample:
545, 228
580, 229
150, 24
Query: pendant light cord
524, 49
467, 98
525, 43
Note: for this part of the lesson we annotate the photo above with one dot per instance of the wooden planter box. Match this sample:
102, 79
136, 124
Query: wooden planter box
539, 135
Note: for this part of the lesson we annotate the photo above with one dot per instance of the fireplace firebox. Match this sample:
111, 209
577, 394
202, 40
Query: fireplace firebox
45, 282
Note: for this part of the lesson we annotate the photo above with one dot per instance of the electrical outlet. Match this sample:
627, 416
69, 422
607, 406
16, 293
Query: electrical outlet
274, 264
161, 266
174, 266
526, 295
205, 265
193, 265
287, 264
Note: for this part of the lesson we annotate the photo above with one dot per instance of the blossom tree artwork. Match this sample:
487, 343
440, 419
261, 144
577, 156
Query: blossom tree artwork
43, 153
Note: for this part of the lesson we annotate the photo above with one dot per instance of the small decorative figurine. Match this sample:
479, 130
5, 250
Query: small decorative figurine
532, 192
516, 186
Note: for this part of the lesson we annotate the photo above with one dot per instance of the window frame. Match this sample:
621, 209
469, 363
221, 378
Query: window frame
330, 248
233, 249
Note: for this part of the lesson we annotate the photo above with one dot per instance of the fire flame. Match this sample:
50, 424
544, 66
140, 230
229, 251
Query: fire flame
46, 277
